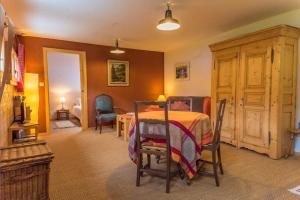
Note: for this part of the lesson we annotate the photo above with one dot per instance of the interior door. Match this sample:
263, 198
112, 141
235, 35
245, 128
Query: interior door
254, 94
224, 87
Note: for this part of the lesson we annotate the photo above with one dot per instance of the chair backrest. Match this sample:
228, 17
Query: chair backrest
103, 103
165, 123
180, 103
218, 126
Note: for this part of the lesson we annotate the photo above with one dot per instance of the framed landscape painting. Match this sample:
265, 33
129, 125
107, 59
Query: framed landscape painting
182, 71
118, 73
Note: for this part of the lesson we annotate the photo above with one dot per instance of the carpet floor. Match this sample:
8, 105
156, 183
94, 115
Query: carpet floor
93, 166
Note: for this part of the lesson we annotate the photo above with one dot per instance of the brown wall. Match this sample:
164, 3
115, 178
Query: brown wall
146, 73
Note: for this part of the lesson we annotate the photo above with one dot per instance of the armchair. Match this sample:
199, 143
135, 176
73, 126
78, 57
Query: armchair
104, 111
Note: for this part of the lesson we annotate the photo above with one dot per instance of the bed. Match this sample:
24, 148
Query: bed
77, 111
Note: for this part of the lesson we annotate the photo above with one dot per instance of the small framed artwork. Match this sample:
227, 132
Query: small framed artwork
118, 73
182, 71
14, 68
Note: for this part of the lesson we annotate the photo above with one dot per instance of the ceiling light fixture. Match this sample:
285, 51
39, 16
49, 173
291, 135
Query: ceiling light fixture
117, 50
168, 23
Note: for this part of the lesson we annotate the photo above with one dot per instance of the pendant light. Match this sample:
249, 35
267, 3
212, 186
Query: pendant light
117, 50
168, 23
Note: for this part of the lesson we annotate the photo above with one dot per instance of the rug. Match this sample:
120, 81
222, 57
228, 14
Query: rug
295, 190
64, 124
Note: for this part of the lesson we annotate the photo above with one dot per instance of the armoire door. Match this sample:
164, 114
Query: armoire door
224, 87
253, 94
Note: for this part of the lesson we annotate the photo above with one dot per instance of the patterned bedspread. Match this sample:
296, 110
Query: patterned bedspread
188, 132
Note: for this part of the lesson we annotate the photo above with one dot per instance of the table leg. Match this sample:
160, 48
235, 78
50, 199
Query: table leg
290, 146
183, 176
10, 137
126, 131
118, 128
36, 133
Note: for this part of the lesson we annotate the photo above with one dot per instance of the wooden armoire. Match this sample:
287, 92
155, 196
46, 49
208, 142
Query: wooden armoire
256, 73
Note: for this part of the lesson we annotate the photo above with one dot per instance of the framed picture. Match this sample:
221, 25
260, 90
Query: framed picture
118, 73
182, 71
14, 68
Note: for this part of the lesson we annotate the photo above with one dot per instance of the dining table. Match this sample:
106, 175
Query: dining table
188, 132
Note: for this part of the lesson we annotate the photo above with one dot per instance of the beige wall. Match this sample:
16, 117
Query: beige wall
6, 113
198, 54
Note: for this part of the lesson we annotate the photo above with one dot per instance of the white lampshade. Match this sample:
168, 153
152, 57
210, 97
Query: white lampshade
168, 23
117, 50
161, 98
62, 99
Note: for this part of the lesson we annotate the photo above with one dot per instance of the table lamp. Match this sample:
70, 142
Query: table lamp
161, 98
62, 100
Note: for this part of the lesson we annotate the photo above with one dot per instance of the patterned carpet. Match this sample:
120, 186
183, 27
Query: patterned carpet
90, 166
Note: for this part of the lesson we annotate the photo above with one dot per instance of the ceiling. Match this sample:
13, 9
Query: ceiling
134, 21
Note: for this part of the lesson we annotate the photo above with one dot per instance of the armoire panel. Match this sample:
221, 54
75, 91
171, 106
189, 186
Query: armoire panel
255, 70
224, 87
254, 93
287, 71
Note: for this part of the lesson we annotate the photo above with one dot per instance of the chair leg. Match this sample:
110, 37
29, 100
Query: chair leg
220, 160
168, 174
96, 124
112, 124
149, 160
215, 167
138, 172
100, 126
157, 159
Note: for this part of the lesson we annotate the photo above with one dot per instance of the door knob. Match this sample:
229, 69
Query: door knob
231, 101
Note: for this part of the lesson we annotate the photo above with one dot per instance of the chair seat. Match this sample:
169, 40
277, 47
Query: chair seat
156, 148
209, 146
107, 117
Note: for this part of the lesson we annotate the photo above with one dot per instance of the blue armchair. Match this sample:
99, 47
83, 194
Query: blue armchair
104, 111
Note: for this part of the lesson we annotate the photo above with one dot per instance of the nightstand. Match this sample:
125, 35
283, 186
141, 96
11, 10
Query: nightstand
62, 114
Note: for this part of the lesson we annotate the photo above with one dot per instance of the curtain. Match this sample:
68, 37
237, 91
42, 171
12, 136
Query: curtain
21, 64
8, 49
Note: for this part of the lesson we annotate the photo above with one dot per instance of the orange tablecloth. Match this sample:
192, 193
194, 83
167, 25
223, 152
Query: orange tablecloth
188, 132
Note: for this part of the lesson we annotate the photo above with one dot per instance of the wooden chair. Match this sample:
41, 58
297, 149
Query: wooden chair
153, 150
214, 147
104, 111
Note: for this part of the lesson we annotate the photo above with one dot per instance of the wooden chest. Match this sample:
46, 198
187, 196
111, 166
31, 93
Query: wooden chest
24, 171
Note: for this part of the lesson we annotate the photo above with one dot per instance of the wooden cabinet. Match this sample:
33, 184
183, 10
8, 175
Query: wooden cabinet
256, 73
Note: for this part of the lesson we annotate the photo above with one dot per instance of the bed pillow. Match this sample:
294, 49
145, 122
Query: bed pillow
78, 102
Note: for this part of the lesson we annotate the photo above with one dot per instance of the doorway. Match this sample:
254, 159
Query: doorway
65, 90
